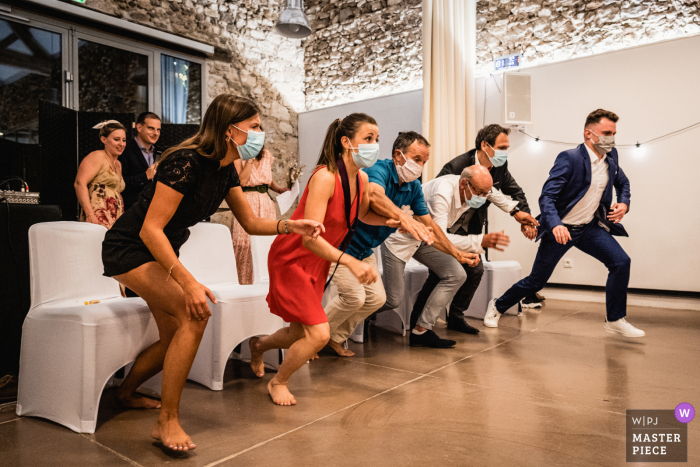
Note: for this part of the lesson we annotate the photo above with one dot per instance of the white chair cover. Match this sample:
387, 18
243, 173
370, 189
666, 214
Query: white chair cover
498, 277
241, 311
70, 350
260, 247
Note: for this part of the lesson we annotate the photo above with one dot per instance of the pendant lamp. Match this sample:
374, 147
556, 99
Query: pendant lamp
293, 22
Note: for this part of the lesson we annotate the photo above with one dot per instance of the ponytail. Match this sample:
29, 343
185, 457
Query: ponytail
332, 147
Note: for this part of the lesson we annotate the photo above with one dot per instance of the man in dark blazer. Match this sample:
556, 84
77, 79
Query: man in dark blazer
576, 211
492, 143
139, 157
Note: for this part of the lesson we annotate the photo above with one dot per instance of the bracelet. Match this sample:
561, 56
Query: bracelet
278, 227
90, 215
171, 269
285, 228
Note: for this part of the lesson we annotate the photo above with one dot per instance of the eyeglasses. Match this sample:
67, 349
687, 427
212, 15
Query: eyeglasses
482, 195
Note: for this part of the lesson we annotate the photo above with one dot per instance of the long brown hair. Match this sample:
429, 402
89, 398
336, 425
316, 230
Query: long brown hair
210, 140
332, 147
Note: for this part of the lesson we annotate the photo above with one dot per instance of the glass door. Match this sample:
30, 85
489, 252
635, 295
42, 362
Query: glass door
111, 76
32, 68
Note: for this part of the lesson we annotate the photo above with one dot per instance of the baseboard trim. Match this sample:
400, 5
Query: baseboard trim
631, 290
636, 298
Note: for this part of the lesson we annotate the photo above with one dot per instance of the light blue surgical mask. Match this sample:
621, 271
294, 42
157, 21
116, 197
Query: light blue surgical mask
476, 201
253, 144
366, 156
500, 156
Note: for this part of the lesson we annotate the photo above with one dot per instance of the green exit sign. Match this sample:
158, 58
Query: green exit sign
78, 1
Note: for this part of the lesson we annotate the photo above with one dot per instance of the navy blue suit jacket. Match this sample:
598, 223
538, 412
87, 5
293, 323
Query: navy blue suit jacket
570, 179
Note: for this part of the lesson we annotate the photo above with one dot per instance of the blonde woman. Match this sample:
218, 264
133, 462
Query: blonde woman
99, 183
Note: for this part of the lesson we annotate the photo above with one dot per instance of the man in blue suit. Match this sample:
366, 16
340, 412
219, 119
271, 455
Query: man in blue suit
576, 211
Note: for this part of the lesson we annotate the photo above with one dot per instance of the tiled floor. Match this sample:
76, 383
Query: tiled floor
548, 388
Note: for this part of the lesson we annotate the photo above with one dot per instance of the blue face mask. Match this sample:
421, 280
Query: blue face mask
477, 201
366, 156
253, 144
500, 156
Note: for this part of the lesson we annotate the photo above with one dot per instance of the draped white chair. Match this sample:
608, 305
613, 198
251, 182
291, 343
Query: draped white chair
241, 312
260, 247
70, 350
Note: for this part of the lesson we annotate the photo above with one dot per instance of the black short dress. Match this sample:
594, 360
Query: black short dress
203, 184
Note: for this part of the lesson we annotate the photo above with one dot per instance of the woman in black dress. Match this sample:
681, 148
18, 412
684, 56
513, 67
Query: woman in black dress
141, 249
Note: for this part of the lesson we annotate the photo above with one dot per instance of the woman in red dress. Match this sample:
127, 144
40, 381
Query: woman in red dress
299, 266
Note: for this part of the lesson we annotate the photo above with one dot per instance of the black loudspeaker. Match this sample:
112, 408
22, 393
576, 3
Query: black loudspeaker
21, 160
59, 157
15, 220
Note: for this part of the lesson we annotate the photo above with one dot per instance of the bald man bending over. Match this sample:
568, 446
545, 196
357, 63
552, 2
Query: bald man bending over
447, 198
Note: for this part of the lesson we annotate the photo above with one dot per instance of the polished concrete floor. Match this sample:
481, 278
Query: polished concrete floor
548, 388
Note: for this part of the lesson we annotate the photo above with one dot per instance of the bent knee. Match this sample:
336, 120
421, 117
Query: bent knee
454, 276
318, 335
375, 299
195, 326
623, 262
391, 301
354, 300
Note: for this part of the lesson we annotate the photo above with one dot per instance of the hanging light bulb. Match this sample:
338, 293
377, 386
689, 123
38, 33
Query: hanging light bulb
293, 22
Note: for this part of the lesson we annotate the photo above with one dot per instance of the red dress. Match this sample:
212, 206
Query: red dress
297, 276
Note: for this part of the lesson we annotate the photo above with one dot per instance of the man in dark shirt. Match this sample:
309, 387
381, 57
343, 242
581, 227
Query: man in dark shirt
139, 157
492, 144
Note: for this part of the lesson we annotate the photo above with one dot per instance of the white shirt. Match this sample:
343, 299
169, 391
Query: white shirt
584, 211
445, 207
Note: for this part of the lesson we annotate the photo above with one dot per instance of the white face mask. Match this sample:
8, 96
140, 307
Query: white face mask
410, 171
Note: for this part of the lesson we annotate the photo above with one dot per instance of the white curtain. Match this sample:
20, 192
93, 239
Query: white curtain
175, 86
449, 60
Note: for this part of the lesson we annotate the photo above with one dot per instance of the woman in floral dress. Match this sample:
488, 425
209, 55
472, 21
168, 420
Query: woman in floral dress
99, 181
256, 179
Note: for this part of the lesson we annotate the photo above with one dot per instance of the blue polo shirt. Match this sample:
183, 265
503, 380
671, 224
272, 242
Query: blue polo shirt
384, 173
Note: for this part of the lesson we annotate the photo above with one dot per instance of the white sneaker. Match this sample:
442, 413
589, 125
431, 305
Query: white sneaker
621, 326
530, 305
492, 315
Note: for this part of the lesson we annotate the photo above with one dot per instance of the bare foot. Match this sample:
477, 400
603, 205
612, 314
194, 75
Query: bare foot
173, 437
134, 401
314, 357
340, 350
256, 358
280, 394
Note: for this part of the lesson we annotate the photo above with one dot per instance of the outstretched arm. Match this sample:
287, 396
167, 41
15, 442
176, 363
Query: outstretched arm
383, 206
367, 215
443, 243
254, 225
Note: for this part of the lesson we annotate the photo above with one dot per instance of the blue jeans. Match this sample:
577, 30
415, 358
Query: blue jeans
591, 239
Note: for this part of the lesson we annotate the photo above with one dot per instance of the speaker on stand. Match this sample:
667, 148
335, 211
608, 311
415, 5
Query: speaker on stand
15, 220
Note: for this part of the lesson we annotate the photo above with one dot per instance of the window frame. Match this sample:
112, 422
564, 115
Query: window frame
70, 35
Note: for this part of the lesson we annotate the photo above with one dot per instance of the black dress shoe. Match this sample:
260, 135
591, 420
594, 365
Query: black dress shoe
459, 323
430, 339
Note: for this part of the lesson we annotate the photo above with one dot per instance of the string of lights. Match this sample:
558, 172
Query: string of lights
637, 144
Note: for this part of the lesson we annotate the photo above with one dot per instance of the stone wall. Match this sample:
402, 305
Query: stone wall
369, 48
547, 31
251, 59
362, 49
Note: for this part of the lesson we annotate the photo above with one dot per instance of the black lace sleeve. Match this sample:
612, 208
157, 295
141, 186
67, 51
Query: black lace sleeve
179, 171
234, 181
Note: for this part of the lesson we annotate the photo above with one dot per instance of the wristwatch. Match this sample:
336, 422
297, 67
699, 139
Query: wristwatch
515, 211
